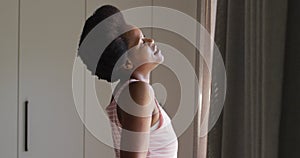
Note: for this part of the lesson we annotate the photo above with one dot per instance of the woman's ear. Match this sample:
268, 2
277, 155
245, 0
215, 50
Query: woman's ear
128, 65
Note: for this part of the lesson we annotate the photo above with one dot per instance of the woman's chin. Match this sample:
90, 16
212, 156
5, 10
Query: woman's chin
160, 57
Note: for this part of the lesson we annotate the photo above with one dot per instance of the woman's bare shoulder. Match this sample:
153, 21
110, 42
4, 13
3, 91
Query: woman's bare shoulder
141, 92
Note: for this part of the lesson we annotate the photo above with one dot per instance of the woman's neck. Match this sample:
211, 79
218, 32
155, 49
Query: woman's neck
142, 77
139, 74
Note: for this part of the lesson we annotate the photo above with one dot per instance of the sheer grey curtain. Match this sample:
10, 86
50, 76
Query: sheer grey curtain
251, 34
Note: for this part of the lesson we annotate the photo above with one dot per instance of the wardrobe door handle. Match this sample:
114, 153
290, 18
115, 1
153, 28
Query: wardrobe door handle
26, 126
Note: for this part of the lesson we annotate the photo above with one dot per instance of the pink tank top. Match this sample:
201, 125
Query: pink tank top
163, 141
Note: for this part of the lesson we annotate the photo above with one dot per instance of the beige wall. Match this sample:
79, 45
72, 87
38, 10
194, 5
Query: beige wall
32, 56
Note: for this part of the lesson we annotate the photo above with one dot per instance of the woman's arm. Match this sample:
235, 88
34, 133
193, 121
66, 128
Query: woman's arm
137, 97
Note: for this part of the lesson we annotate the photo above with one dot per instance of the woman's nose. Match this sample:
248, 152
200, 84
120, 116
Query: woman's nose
149, 40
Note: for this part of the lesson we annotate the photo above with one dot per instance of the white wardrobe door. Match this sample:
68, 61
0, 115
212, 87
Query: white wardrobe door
168, 76
94, 147
49, 37
8, 79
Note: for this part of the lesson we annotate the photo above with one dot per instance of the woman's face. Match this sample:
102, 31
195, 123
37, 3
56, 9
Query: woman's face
143, 52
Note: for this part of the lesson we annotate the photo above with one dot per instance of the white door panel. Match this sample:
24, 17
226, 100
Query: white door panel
9, 78
49, 35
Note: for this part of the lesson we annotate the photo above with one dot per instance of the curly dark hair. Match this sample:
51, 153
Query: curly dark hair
116, 48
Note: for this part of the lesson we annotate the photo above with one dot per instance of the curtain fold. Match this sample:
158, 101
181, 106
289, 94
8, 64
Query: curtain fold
233, 144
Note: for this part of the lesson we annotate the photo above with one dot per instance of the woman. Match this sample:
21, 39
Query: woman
140, 127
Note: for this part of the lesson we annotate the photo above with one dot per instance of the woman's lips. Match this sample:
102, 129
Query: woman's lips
157, 51
155, 48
